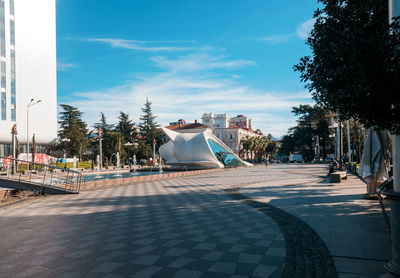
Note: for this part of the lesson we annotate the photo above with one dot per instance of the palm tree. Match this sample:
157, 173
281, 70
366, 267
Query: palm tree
245, 146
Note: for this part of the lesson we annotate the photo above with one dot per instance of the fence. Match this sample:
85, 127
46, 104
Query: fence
41, 175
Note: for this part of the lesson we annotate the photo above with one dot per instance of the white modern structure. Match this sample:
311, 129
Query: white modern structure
199, 150
28, 71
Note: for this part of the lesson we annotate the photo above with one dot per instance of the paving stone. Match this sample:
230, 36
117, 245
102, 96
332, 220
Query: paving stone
223, 267
107, 267
264, 271
249, 258
176, 227
185, 273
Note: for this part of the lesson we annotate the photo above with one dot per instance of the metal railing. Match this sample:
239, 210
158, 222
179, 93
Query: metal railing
40, 174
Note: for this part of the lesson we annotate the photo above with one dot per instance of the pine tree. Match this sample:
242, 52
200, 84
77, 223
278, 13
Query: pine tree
126, 127
149, 129
73, 131
103, 124
113, 140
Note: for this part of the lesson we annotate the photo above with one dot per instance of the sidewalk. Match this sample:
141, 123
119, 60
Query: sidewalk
353, 229
193, 227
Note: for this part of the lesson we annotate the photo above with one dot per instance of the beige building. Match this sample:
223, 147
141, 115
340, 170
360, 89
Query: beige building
231, 136
229, 130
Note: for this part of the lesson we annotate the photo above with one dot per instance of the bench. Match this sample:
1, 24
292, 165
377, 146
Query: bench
337, 177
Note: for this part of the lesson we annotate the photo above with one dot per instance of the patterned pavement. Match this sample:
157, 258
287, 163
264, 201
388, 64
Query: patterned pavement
184, 227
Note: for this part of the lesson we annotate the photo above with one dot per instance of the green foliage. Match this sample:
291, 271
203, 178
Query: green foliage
126, 127
143, 150
355, 65
254, 147
149, 129
113, 141
70, 165
73, 132
272, 148
313, 121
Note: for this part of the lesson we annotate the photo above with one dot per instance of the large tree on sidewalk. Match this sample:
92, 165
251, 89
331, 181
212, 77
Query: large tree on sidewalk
355, 62
149, 129
314, 121
355, 70
73, 131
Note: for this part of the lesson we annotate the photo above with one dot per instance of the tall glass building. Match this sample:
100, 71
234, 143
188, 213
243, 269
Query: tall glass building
28, 71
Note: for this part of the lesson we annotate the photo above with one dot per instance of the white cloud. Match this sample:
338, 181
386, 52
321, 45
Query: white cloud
186, 89
278, 38
304, 29
198, 62
148, 46
64, 66
302, 32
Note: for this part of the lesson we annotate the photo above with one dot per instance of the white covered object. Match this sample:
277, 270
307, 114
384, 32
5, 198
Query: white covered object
373, 165
198, 150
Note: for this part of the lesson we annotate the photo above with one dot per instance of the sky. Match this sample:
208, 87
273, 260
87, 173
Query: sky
188, 57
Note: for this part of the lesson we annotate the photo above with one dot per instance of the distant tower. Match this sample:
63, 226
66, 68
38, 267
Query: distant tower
215, 120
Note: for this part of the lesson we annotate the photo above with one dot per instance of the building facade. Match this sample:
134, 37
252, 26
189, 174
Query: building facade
229, 130
28, 71
232, 136
215, 120
240, 121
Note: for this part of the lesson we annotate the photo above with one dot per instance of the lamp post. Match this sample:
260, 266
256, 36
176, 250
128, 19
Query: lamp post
14, 148
65, 140
100, 134
349, 152
135, 145
31, 103
154, 152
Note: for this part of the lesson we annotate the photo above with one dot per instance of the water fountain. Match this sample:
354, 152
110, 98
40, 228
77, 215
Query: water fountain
160, 166
74, 163
98, 167
134, 163
117, 164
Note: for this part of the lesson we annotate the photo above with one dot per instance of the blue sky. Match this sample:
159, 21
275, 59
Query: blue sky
187, 56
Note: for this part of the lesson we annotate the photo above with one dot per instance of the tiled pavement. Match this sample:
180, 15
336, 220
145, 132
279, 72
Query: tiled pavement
353, 229
188, 227
185, 227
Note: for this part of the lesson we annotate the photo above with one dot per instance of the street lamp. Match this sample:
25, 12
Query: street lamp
31, 103
135, 144
65, 140
100, 134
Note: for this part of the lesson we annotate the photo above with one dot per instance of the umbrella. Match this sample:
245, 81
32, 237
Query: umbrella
373, 168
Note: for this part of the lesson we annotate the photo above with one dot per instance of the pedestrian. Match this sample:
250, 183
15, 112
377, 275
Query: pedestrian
334, 166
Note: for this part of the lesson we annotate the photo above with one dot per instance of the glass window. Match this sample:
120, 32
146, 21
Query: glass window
12, 32
225, 156
3, 74
13, 88
12, 7
2, 30
3, 106
13, 114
